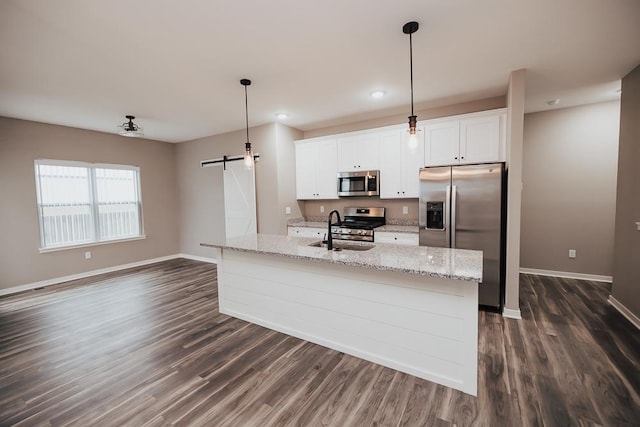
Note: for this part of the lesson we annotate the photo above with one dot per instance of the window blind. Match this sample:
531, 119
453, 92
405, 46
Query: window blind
80, 203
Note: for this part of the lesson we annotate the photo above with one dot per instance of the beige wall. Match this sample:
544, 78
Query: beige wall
626, 265
21, 142
568, 199
201, 191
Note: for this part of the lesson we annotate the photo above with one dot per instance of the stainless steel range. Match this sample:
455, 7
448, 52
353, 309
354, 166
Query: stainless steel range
358, 224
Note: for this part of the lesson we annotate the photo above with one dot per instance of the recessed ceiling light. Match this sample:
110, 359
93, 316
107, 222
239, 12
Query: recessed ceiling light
281, 116
553, 102
378, 94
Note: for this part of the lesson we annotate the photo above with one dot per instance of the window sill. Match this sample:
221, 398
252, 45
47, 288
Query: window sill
86, 245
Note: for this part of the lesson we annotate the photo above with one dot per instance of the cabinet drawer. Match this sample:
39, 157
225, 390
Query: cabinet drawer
397, 238
306, 232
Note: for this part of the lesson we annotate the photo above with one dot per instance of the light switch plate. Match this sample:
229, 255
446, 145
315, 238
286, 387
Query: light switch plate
572, 253
87, 255
638, 225
287, 210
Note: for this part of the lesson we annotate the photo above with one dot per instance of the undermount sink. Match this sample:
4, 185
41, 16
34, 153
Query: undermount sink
344, 245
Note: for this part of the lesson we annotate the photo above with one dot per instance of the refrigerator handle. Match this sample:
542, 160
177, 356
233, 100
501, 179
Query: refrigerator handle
454, 195
445, 214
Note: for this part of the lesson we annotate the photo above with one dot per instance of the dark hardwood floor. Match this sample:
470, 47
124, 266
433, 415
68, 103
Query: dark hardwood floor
147, 346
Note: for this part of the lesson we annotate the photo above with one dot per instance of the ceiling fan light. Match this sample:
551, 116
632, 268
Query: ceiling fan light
130, 129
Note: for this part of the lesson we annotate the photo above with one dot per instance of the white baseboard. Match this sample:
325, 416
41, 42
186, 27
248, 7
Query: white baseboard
49, 282
511, 314
635, 320
567, 275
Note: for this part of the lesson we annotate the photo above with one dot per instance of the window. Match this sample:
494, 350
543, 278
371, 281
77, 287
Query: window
82, 203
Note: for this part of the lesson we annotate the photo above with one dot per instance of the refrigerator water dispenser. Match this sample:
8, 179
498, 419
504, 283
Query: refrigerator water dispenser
435, 215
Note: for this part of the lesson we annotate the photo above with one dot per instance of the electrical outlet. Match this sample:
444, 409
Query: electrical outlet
321, 209
638, 225
287, 210
87, 255
405, 210
572, 253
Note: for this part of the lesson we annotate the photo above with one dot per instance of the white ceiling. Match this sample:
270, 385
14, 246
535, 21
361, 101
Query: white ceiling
176, 65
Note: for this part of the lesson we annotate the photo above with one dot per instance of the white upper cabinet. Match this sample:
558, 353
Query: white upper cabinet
400, 163
468, 138
475, 139
316, 169
358, 152
326, 163
480, 139
413, 160
442, 143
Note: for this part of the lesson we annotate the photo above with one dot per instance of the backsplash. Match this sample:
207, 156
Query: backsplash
394, 208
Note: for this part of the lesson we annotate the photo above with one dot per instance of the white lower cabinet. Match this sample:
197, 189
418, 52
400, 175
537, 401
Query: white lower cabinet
307, 232
397, 238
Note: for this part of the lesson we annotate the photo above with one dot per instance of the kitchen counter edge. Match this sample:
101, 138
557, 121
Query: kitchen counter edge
384, 256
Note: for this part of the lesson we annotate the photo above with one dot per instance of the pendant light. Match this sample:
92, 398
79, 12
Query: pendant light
410, 28
130, 129
248, 153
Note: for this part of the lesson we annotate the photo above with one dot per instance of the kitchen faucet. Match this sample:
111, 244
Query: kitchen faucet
329, 237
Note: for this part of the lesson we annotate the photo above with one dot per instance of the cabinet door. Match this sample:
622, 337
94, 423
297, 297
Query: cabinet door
359, 152
442, 143
348, 154
412, 161
306, 167
391, 165
326, 167
369, 152
480, 139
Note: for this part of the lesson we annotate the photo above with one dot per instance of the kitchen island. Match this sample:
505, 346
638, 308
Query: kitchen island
414, 309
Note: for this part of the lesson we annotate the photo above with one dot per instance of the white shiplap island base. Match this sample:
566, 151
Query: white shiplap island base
414, 309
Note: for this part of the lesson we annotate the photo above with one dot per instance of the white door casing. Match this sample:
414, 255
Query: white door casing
239, 200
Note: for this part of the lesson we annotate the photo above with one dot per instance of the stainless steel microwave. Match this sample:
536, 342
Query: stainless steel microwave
360, 183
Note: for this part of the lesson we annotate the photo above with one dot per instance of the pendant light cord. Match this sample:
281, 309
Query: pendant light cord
246, 110
411, 69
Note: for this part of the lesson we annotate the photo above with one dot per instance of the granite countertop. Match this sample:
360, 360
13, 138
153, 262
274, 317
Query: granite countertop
389, 228
308, 224
422, 260
396, 228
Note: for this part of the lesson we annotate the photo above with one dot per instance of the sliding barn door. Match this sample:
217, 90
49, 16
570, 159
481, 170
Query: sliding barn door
239, 200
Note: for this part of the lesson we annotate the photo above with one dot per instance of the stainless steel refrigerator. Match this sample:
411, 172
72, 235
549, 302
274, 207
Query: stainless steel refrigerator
464, 207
